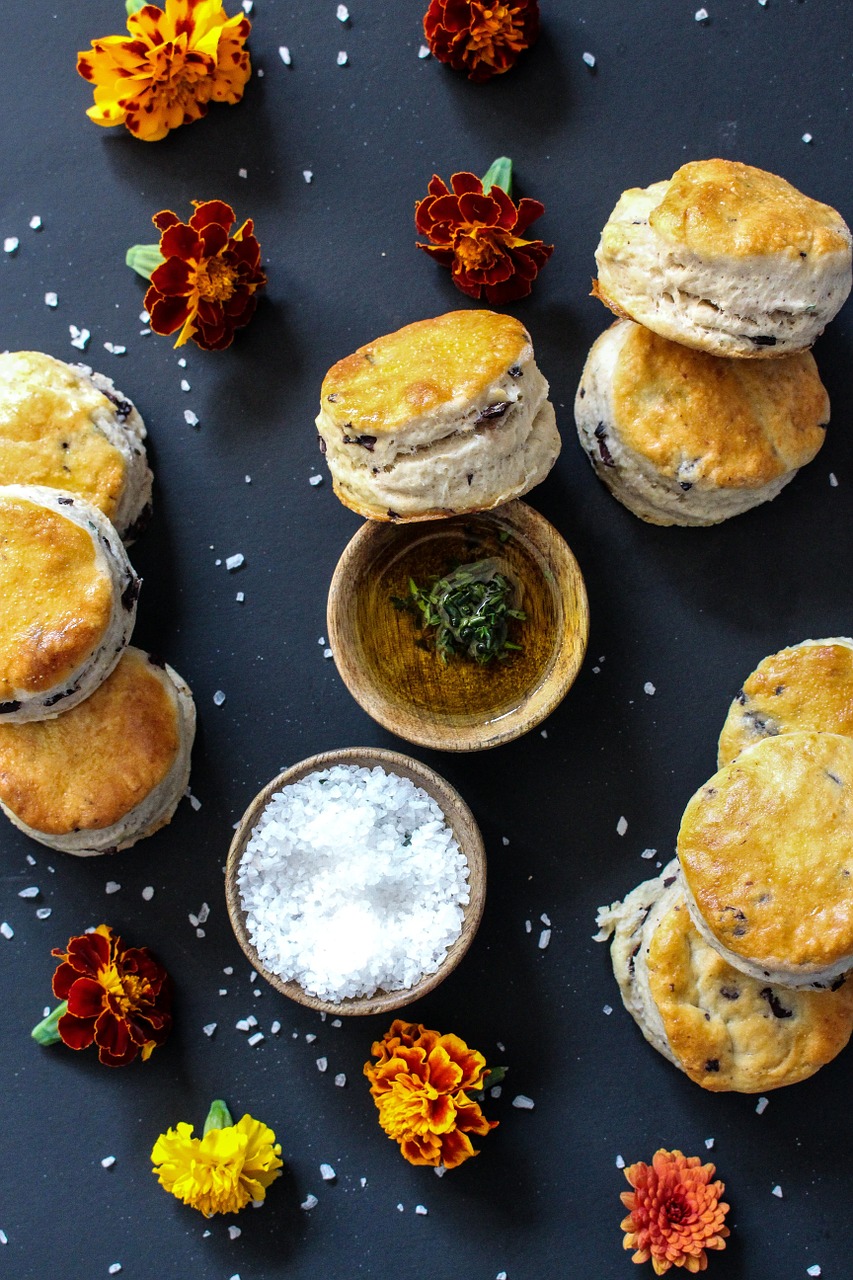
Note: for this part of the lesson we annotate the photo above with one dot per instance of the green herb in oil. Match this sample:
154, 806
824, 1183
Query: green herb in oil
467, 612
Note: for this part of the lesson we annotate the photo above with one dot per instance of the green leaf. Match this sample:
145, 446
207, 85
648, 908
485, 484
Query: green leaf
46, 1032
499, 174
218, 1117
144, 259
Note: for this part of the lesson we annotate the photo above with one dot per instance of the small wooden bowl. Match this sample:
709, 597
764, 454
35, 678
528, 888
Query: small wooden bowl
401, 681
458, 817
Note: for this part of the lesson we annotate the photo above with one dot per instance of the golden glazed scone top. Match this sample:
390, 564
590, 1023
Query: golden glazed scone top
739, 423
725, 207
730, 1031
766, 848
806, 687
419, 369
48, 433
56, 601
88, 768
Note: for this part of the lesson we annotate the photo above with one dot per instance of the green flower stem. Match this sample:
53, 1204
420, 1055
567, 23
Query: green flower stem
133, 6
499, 174
218, 1117
144, 258
46, 1032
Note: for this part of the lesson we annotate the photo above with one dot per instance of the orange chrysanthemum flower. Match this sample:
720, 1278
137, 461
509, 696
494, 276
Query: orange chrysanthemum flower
675, 1212
172, 63
207, 286
482, 37
480, 236
419, 1084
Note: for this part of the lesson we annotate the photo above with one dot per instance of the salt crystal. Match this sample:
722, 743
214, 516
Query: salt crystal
709, 1143
260, 72
528, 927
496, 1091
185, 386
234, 1233
182, 362
112, 886
544, 939
544, 733
315, 480
204, 909
400, 1208
240, 597
504, 840
242, 173
807, 137
144, 317
114, 350
833, 479
589, 59
701, 15
79, 337
257, 992
648, 853
648, 688
256, 1038
762, 1105
228, 970
108, 1162
218, 698
205, 1234
51, 299
43, 912
620, 1162
545, 920
114, 1268
607, 1009
762, 3
190, 418
243, 1025
500, 1046
35, 222
336, 1022
193, 920
327, 653
501, 1275
322, 1064
248, 6
310, 1202
342, 61
523, 1102
363, 1182
148, 892
777, 1192
327, 1173
234, 562
310, 1038
223, 991
308, 174
622, 826
340, 1080
32, 891
439, 1170
342, 13
209, 1029
275, 1028
284, 54
195, 805
423, 52
252, 1020
4, 1239
421, 1210
10, 244
813, 1270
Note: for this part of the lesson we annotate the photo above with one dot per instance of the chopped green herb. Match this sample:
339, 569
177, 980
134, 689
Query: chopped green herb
467, 612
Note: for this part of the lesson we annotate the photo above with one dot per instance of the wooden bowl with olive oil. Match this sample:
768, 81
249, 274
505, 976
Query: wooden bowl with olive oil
424, 627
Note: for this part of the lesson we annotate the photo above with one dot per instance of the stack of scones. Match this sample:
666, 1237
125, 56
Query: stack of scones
703, 400
736, 960
95, 736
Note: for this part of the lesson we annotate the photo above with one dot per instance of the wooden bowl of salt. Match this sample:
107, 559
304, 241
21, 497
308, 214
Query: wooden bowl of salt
257, 911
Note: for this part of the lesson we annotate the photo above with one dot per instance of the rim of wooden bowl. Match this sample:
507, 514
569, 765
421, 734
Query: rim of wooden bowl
413, 726
458, 817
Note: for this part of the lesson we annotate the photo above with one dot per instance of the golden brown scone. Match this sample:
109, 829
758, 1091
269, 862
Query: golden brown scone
109, 771
68, 601
808, 686
726, 258
64, 426
766, 850
444, 416
682, 437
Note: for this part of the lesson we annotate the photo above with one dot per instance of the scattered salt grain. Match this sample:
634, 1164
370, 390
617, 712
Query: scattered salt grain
327, 653
400, 1208
505, 841
248, 479
195, 805
223, 991
218, 698
185, 386
243, 1025
310, 1038
342, 13
340, 1080
622, 826
421, 1210
51, 299
761, 1105
439, 1170
275, 1028
240, 597
204, 909
545, 920
114, 1268
144, 317
327, 1173
112, 886
315, 480
234, 1233
10, 244
242, 173
833, 479
251, 1021
248, 6
32, 891
648, 853
336, 1022
544, 939
500, 1046
115, 350
108, 1162
182, 362
701, 15
352, 881
308, 175
523, 1102
209, 1029
495, 1091
709, 1143
607, 1009
4, 1239
310, 1202
589, 59
284, 54
35, 222
807, 137
648, 688
423, 52
234, 562
148, 892
362, 1182
79, 337
228, 970
199, 933
620, 1162
43, 913
322, 1064
256, 1038
190, 418
501, 1275
544, 733
342, 59
813, 1271
777, 1192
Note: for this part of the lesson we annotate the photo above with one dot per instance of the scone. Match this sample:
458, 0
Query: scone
102, 776
808, 686
442, 417
62, 425
766, 852
725, 258
725, 1030
681, 437
68, 595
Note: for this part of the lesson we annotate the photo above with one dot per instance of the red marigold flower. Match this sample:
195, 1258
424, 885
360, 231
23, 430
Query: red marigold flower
675, 1212
482, 37
208, 283
478, 233
118, 997
419, 1085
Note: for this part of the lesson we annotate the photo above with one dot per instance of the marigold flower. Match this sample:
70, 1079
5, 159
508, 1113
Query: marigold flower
223, 1170
115, 996
419, 1084
207, 280
477, 230
675, 1212
482, 37
172, 63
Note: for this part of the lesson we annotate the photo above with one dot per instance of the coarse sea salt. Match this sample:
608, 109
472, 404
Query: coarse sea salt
351, 882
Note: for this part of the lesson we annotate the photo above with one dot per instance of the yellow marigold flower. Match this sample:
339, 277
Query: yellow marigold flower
419, 1084
172, 63
221, 1171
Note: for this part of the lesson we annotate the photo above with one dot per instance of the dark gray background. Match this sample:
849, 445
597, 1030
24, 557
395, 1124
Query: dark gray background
692, 611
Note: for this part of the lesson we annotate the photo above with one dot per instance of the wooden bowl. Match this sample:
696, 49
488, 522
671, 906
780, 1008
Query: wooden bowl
458, 817
401, 681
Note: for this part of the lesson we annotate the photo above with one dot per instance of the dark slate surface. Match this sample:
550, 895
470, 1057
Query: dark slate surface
692, 611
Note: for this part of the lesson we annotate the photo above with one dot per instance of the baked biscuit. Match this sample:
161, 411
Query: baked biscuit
111, 771
725, 1030
62, 425
444, 416
808, 686
725, 258
681, 437
766, 850
68, 596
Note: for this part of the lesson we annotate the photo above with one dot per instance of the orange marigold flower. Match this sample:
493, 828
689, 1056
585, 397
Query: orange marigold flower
482, 37
172, 63
478, 233
419, 1084
675, 1212
117, 997
208, 283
